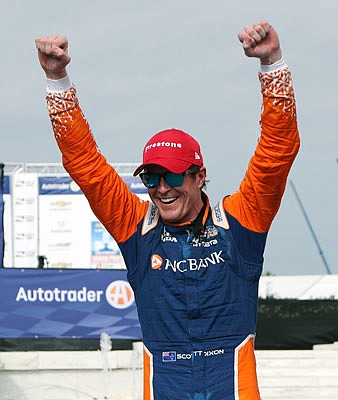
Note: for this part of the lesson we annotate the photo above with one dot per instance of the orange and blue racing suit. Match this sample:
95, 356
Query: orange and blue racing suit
196, 286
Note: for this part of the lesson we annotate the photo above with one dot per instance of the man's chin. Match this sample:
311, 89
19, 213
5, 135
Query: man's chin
168, 216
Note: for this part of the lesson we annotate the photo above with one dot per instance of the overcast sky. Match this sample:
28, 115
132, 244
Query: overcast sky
144, 65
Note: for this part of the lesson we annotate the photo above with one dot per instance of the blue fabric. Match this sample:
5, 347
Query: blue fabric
196, 305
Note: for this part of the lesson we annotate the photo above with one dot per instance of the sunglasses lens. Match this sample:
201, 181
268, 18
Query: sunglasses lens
152, 180
174, 180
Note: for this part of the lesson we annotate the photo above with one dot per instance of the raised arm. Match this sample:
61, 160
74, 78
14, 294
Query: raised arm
115, 206
260, 193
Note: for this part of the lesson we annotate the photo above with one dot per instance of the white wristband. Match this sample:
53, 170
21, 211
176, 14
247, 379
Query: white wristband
273, 67
59, 85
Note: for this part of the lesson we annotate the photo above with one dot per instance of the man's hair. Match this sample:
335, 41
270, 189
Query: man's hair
193, 171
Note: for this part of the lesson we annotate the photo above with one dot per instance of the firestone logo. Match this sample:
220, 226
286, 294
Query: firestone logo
119, 294
163, 144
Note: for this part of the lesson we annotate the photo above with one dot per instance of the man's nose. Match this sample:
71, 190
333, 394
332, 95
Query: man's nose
163, 186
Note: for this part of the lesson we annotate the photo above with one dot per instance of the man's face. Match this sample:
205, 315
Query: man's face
178, 204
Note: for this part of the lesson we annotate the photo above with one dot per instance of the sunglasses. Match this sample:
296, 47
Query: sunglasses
151, 179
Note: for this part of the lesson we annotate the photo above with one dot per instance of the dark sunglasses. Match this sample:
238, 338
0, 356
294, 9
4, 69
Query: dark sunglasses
151, 179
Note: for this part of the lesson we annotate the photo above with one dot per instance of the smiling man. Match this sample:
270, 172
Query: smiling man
194, 268
174, 175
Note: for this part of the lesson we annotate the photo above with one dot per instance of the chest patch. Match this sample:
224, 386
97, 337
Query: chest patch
218, 216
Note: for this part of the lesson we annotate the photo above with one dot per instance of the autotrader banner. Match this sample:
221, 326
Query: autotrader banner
67, 304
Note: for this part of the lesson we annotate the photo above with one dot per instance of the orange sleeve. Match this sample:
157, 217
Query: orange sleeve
257, 201
118, 209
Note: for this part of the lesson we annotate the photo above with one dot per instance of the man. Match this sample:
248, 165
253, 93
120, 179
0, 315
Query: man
194, 270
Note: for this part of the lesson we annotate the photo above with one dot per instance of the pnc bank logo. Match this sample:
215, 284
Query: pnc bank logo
156, 261
119, 294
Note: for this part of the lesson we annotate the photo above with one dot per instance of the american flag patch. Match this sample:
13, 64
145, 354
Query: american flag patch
168, 356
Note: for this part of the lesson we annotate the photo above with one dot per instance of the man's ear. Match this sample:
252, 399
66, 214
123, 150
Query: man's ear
201, 174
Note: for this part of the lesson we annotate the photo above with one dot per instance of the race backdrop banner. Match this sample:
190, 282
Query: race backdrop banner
64, 223
2, 240
25, 220
46, 303
70, 236
7, 222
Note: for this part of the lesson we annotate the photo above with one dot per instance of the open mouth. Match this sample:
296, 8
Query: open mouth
168, 200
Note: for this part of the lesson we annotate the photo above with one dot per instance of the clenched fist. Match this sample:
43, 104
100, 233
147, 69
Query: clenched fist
261, 40
53, 55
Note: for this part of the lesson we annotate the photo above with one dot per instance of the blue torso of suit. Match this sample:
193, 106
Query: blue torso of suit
197, 300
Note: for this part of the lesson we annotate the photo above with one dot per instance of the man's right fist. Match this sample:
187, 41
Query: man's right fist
53, 55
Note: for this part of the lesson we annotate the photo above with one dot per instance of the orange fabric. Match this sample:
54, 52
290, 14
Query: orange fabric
247, 378
117, 208
147, 376
259, 196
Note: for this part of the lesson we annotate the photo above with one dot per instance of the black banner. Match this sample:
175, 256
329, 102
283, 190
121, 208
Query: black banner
296, 324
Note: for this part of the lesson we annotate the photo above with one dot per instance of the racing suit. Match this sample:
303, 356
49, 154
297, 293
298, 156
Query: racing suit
196, 285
